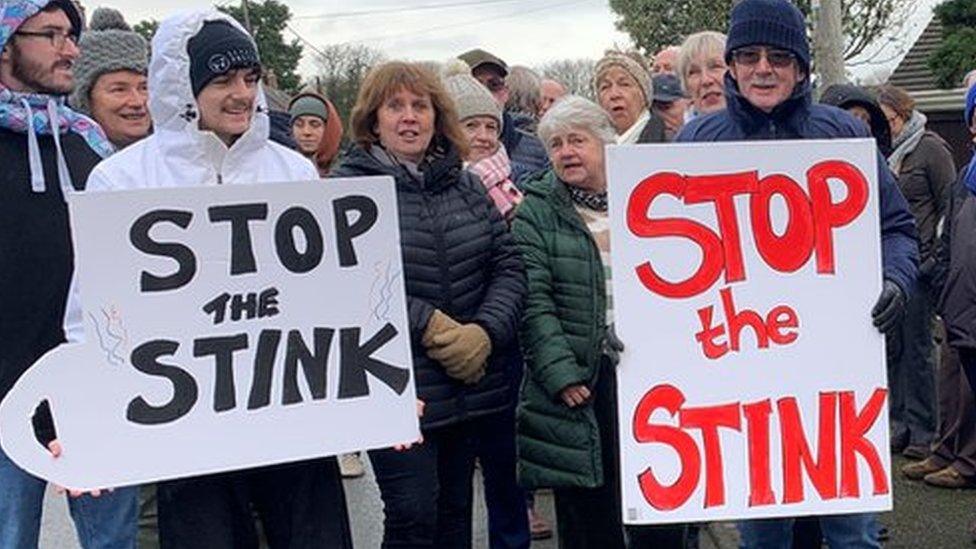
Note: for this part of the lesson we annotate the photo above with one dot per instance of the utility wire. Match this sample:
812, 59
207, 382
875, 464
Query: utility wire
405, 9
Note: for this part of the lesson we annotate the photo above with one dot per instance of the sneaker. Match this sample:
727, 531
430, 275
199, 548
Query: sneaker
539, 527
916, 452
949, 478
351, 466
918, 469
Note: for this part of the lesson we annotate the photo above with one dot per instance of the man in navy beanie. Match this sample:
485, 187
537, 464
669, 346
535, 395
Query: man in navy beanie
768, 97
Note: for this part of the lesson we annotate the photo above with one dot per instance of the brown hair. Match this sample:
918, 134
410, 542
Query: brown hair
389, 78
897, 100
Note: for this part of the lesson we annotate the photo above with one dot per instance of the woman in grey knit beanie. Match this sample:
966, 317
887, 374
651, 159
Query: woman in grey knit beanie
110, 77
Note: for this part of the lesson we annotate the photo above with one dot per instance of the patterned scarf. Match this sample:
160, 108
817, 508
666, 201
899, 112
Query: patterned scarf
37, 114
588, 199
495, 173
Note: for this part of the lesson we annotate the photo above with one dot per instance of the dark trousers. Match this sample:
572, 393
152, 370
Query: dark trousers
955, 442
968, 359
426, 490
508, 521
301, 505
591, 517
911, 372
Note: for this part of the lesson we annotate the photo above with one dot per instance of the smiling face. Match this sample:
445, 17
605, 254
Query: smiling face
39, 64
227, 103
118, 103
482, 133
577, 158
621, 96
705, 80
766, 76
405, 124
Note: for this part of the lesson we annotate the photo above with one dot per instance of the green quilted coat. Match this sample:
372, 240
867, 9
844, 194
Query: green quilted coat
562, 336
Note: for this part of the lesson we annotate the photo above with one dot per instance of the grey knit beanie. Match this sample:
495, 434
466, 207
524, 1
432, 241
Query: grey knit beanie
108, 45
631, 67
471, 98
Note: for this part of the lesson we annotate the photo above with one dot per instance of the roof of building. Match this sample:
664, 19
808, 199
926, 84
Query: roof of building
914, 75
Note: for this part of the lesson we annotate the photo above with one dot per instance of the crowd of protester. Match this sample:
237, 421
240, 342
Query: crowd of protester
502, 197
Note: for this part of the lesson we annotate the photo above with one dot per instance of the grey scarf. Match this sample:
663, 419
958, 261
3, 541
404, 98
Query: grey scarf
907, 140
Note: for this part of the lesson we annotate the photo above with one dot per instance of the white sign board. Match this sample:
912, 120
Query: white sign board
753, 383
226, 327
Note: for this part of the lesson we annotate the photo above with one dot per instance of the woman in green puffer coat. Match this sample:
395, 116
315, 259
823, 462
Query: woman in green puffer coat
566, 417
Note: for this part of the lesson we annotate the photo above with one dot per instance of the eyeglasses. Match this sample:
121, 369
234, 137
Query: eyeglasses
779, 59
57, 39
495, 84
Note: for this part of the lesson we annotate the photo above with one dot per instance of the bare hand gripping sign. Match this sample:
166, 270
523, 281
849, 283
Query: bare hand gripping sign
226, 327
753, 383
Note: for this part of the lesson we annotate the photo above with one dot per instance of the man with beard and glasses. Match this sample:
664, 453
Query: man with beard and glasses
767, 90
47, 151
211, 119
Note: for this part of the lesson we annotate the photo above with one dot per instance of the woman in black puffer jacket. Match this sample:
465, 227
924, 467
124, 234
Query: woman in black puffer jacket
465, 285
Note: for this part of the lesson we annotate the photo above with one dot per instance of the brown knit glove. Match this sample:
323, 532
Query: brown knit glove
437, 324
462, 351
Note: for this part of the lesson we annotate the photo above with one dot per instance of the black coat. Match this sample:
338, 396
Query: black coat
955, 274
36, 258
459, 257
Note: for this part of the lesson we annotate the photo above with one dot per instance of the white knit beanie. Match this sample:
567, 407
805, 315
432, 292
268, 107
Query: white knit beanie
471, 98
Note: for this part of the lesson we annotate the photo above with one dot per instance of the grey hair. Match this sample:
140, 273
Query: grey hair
525, 91
969, 79
698, 45
573, 112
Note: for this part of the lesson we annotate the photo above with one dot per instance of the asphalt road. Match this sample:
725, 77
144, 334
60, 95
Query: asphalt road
924, 517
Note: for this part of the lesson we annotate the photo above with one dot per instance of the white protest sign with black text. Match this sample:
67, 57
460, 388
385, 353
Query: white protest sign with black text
753, 382
227, 327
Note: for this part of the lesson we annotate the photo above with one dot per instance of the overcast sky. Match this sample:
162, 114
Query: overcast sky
528, 32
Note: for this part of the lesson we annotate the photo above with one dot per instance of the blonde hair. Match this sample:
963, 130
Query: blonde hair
700, 44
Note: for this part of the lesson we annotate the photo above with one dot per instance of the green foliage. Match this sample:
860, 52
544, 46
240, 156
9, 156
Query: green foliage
654, 24
955, 57
268, 20
147, 28
955, 14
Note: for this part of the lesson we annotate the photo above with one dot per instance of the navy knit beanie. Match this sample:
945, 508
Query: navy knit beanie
776, 23
217, 49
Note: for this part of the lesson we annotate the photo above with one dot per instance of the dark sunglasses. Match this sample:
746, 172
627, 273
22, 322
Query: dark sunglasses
495, 84
779, 59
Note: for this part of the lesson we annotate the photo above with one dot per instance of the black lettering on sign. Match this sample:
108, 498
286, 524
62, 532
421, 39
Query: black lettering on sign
222, 348
264, 360
346, 232
356, 360
244, 306
268, 302
145, 358
186, 261
313, 364
241, 250
291, 258
217, 307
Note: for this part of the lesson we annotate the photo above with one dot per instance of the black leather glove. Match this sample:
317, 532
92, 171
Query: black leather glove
889, 308
612, 346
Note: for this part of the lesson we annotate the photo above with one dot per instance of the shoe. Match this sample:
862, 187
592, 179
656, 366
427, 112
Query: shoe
949, 478
918, 469
539, 527
915, 451
351, 466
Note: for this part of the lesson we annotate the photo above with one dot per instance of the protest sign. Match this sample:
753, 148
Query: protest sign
753, 382
226, 327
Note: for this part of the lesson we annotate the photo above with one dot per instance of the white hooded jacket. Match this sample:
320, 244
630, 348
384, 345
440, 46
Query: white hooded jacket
178, 153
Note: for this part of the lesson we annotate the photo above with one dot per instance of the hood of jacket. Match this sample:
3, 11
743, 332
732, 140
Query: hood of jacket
845, 96
786, 117
173, 107
13, 13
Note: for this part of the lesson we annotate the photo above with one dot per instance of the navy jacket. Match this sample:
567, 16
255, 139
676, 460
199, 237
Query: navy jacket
798, 118
459, 257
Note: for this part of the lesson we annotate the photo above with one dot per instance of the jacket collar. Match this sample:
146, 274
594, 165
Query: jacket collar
786, 119
440, 169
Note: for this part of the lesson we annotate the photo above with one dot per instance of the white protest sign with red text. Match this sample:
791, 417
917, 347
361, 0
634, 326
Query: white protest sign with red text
227, 327
753, 381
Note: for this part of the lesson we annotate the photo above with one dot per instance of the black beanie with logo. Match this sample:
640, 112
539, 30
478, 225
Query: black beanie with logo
217, 49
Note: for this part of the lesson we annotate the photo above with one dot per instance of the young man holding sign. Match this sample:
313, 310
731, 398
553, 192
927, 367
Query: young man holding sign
47, 151
212, 128
769, 98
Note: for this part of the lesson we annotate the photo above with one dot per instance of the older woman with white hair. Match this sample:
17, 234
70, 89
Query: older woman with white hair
701, 68
566, 422
624, 89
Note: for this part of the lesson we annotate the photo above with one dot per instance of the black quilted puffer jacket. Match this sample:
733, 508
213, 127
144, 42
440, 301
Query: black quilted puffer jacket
459, 257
